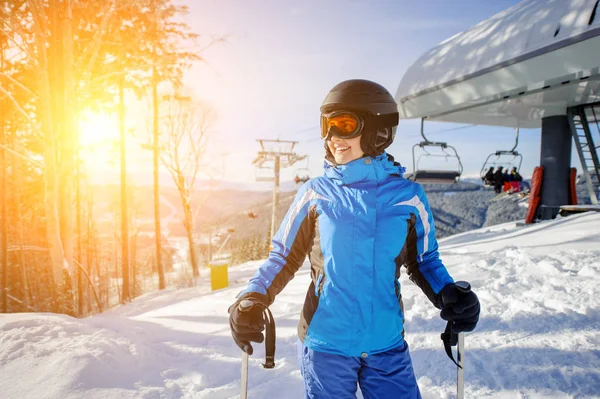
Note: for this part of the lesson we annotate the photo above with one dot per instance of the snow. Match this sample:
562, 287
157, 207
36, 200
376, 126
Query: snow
539, 334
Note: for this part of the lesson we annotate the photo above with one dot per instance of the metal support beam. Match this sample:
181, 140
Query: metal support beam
281, 153
275, 196
576, 123
556, 159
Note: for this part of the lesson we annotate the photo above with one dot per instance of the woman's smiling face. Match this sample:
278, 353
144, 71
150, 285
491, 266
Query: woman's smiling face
345, 150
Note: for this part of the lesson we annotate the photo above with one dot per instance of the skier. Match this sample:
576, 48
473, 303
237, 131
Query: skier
488, 179
499, 180
358, 224
514, 174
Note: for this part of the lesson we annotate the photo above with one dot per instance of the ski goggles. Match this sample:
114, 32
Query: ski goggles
341, 124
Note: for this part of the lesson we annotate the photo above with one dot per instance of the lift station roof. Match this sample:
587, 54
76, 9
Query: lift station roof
530, 61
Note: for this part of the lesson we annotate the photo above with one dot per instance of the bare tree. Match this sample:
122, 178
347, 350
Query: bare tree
3, 214
186, 129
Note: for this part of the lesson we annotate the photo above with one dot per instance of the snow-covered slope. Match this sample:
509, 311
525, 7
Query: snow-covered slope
539, 334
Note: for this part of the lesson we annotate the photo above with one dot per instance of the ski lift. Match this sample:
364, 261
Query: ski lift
262, 172
507, 164
302, 174
435, 176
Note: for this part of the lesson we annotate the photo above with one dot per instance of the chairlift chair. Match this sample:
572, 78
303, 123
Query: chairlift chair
262, 173
516, 161
434, 176
302, 174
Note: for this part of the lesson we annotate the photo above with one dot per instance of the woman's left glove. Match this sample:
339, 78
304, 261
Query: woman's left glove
460, 306
247, 321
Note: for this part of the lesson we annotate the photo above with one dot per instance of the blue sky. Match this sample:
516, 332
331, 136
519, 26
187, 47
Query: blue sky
282, 57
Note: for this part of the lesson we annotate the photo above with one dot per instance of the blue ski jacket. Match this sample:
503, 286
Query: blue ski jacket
358, 224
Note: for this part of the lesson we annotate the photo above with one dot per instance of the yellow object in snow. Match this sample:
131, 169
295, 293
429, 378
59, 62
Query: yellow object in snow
219, 275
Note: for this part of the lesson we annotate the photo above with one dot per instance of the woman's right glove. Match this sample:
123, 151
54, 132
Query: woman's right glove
247, 321
460, 306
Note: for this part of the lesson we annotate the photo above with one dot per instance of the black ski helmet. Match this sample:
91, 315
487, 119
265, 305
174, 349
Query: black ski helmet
372, 102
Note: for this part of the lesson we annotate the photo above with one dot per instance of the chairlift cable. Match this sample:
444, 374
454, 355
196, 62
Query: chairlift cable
296, 132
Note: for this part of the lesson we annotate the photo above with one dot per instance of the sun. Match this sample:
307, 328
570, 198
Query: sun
98, 129
98, 145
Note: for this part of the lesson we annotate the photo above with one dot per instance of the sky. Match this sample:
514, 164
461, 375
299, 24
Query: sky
538, 336
279, 60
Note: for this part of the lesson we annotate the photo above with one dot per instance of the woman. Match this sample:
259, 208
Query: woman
358, 224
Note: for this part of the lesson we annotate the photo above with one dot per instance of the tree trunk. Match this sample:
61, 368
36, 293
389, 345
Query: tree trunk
45, 112
91, 256
79, 235
156, 157
3, 214
116, 265
193, 253
17, 208
106, 279
157, 231
124, 214
188, 223
67, 134
134, 272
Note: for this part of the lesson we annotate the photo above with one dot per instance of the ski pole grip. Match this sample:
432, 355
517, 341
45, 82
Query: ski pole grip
463, 286
245, 304
450, 338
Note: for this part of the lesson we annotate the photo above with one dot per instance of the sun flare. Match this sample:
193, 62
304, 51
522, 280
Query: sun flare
98, 144
98, 129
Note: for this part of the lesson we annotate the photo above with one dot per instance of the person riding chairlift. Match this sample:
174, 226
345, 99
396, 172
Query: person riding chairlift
498, 180
514, 175
488, 179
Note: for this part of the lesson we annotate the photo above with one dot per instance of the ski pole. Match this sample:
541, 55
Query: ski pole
244, 305
269, 346
464, 287
244, 394
460, 373
450, 339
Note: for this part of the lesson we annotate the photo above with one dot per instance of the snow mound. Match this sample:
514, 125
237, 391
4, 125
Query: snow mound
539, 334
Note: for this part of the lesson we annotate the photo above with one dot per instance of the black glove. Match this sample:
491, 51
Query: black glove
459, 306
247, 321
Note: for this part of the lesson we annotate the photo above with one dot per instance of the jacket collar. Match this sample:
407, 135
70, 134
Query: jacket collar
365, 169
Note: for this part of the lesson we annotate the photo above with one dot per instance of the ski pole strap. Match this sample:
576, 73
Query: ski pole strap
269, 340
450, 339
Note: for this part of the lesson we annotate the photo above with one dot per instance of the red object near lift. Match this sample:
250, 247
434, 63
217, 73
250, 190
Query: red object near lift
534, 194
512, 187
572, 187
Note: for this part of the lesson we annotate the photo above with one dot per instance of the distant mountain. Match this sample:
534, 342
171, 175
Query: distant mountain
247, 207
456, 207
215, 205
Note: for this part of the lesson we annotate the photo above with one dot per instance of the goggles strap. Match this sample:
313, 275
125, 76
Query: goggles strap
387, 120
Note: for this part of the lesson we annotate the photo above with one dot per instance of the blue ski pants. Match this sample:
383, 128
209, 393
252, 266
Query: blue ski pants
380, 376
